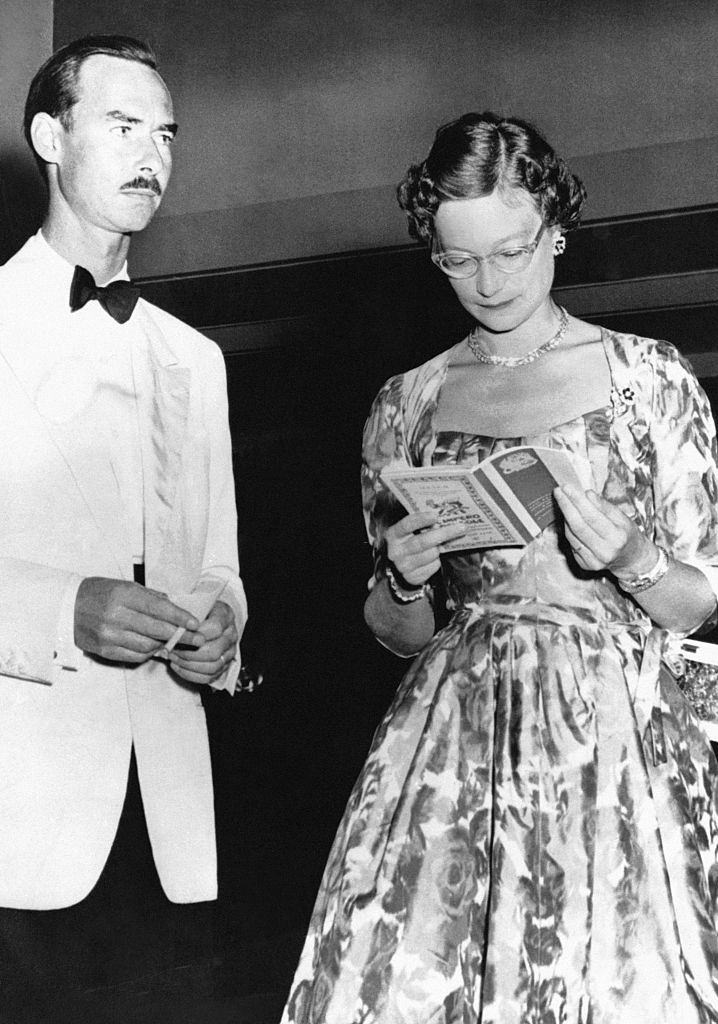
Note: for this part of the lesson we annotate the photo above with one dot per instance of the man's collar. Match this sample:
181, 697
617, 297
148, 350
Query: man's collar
68, 269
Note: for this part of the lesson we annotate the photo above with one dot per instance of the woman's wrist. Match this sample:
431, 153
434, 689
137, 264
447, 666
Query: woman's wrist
401, 590
637, 581
642, 564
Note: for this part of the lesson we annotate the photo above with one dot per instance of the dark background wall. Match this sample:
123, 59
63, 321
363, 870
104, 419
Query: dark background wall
26, 33
298, 116
281, 239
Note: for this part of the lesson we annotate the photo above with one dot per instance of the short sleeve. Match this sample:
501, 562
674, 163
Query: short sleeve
685, 473
384, 444
684, 462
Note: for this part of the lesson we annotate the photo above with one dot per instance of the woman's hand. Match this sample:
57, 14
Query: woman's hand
412, 545
603, 537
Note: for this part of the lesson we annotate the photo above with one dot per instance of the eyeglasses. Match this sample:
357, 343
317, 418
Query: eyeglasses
457, 263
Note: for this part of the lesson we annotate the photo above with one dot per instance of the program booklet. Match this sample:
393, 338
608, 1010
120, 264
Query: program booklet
505, 501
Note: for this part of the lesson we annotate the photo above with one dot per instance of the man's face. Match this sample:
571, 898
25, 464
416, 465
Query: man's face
115, 158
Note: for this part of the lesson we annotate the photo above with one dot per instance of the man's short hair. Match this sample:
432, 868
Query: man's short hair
53, 90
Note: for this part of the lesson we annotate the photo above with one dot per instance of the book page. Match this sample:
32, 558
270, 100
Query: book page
452, 493
525, 477
505, 501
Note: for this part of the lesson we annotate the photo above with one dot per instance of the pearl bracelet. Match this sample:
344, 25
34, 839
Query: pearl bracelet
638, 584
403, 596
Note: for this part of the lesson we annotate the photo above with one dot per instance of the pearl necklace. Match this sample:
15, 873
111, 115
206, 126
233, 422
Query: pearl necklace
528, 357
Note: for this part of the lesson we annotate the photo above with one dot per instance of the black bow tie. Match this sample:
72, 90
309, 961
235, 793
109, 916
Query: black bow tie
119, 298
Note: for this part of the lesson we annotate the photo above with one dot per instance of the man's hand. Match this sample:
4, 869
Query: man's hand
207, 662
123, 621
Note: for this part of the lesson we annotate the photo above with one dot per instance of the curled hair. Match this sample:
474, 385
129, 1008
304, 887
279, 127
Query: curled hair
479, 153
53, 90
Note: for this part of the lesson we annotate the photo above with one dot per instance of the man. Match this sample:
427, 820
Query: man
116, 468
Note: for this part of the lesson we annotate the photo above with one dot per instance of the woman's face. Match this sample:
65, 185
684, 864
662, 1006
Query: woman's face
491, 224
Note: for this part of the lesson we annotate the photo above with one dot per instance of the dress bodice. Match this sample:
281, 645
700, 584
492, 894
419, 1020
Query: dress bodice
544, 572
650, 451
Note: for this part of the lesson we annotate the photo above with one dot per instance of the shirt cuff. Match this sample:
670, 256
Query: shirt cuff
67, 654
235, 676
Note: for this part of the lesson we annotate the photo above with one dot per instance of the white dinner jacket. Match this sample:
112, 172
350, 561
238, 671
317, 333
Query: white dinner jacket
66, 736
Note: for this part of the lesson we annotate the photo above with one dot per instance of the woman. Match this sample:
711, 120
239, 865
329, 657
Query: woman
533, 836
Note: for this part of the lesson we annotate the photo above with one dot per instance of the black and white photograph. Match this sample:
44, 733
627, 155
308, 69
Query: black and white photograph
358, 512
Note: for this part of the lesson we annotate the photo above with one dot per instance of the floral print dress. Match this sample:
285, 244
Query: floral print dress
533, 837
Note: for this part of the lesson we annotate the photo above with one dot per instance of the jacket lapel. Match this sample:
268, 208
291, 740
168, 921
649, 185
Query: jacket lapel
167, 411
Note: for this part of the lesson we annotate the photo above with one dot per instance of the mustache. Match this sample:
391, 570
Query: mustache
141, 182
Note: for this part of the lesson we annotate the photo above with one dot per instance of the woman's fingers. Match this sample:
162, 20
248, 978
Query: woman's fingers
413, 545
581, 518
583, 508
600, 510
411, 523
584, 553
601, 535
592, 535
436, 536
598, 513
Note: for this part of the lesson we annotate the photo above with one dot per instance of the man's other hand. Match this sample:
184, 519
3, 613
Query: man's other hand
123, 621
206, 662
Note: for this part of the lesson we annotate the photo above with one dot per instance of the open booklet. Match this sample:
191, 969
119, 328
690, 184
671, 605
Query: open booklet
506, 500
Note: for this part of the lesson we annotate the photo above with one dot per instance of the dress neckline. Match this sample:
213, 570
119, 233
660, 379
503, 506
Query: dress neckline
599, 410
605, 408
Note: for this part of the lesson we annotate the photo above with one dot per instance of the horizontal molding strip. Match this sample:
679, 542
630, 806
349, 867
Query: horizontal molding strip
264, 335
659, 258
692, 328
640, 293
663, 243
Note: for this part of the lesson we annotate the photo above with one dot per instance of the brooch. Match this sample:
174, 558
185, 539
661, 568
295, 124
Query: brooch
621, 401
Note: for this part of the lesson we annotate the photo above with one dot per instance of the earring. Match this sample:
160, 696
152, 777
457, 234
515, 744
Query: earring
559, 245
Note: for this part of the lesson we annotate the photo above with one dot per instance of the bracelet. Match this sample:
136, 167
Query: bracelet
638, 584
403, 596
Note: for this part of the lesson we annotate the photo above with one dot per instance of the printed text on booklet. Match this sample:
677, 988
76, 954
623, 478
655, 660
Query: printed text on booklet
506, 500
